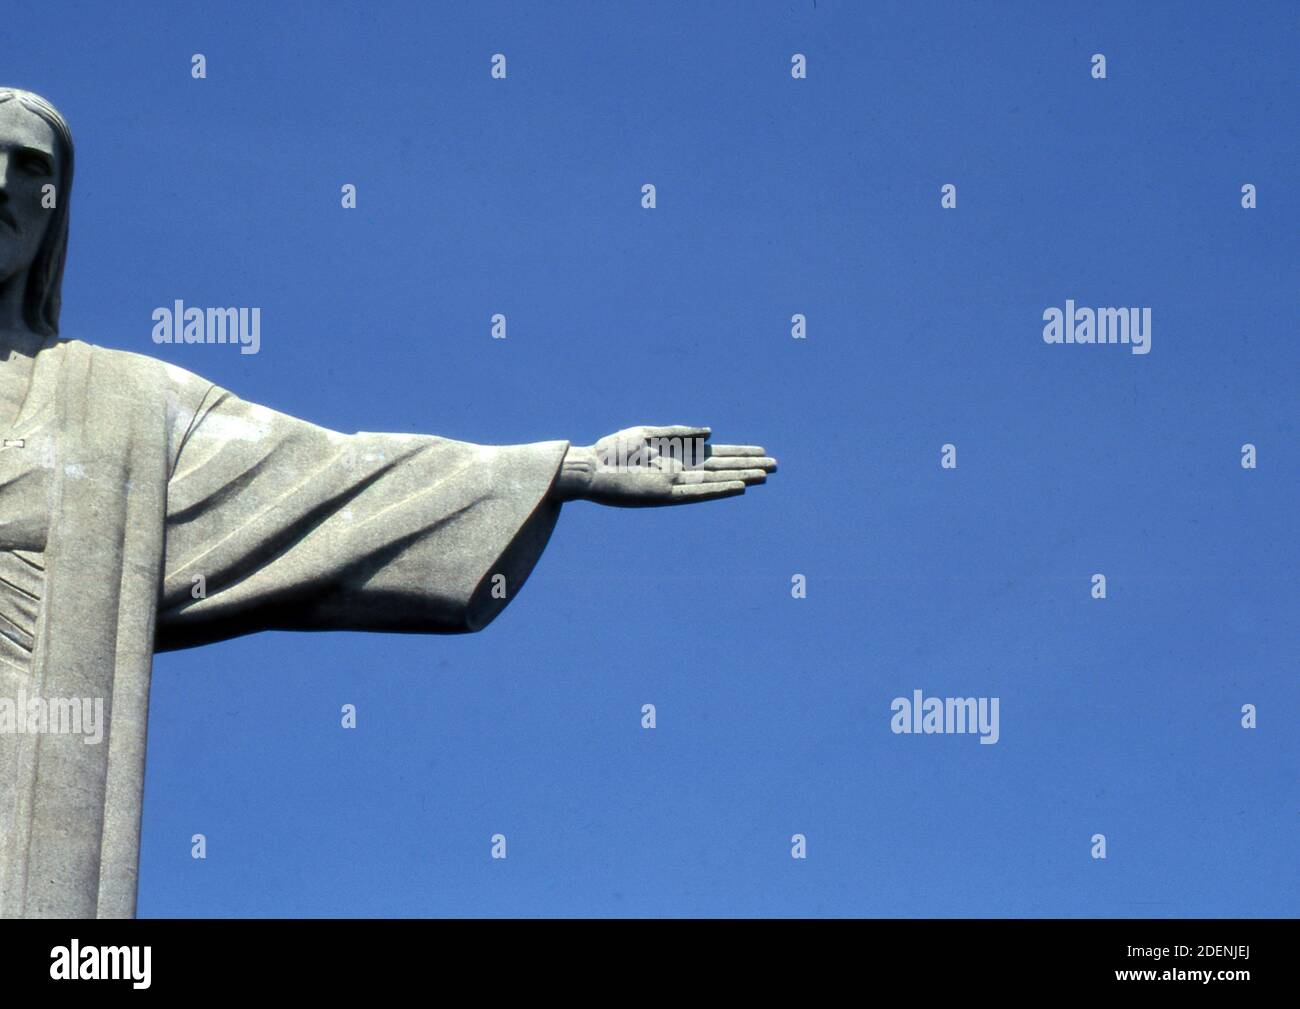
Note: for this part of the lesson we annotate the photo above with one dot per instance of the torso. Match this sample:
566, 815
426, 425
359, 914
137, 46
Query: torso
26, 462
18, 352
15, 378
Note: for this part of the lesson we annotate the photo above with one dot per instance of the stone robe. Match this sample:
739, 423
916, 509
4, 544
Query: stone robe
143, 508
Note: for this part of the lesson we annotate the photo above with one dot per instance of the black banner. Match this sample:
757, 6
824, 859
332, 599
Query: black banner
233, 957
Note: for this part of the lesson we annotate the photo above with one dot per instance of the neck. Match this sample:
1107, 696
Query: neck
15, 334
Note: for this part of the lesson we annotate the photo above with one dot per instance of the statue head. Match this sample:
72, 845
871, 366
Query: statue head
35, 153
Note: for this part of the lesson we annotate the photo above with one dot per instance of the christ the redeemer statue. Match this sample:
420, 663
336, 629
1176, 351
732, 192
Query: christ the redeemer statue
143, 508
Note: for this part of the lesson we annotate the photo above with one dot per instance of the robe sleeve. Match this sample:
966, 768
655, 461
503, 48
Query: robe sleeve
273, 523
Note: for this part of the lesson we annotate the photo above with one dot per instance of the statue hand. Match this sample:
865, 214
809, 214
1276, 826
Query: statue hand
641, 467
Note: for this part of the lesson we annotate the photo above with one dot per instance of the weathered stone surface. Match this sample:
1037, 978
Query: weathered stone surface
144, 508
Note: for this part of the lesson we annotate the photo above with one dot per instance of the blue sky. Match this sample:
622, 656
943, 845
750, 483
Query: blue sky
775, 196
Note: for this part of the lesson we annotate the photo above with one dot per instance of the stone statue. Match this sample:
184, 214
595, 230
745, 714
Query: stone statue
143, 508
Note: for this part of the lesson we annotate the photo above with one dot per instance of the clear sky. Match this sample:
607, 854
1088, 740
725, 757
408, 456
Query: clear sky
775, 196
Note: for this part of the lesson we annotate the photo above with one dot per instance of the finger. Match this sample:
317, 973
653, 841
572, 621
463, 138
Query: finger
688, 492
739, 462
677, 431
736, 450
749, 476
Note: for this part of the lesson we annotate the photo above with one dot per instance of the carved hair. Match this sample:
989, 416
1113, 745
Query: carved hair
44, 295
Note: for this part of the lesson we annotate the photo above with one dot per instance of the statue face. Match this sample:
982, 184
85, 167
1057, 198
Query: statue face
28, 163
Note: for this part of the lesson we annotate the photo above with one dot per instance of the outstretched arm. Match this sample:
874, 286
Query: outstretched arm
274, 523
642, 467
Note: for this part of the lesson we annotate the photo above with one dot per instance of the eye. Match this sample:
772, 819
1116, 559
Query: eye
35, 163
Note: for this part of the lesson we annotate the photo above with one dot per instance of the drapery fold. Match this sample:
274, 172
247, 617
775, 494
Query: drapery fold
181, 514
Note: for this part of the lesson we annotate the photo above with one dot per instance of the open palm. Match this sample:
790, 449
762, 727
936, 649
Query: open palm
642, 467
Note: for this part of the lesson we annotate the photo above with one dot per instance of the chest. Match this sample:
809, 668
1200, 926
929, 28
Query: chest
27, 463
15, 380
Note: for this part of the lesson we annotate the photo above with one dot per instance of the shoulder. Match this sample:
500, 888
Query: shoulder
139, 372
145, 386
